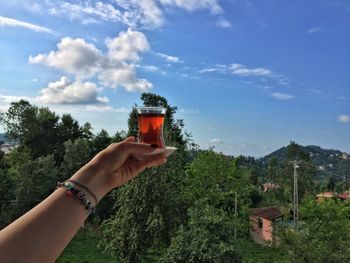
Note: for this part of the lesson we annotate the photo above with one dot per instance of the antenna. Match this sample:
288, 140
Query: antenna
295, 197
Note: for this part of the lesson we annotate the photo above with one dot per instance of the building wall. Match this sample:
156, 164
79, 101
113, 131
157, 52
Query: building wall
262, 233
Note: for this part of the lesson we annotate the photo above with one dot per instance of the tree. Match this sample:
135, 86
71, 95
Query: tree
76, 155
34, 179
100, 141
212, 184
324, 234
149, 209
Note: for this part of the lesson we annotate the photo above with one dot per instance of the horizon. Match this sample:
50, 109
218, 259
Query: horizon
247, 77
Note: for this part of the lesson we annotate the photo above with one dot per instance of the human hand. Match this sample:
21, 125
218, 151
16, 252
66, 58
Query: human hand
116, 165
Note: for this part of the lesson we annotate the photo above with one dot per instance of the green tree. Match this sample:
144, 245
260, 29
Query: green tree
324, 234
206, 238
211, 186
100, 141
76, 155
34, 180
149, 209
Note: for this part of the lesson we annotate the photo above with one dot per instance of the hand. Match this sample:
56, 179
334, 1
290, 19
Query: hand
116, 165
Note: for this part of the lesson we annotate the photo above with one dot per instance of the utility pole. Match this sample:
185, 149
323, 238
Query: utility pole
295, 197
235, 234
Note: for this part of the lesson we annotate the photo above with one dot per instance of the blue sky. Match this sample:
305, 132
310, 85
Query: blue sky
247, 76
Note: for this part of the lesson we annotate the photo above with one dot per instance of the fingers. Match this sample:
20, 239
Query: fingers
137, 148
130, 139
150, 161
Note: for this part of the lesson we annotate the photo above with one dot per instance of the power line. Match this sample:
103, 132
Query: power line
18, 201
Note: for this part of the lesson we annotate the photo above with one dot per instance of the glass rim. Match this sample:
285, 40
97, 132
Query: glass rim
150, 110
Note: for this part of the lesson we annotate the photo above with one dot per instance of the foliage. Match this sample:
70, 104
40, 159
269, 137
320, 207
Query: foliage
76, 154
207, 238
83, 248
34, 179
212, 184
40, 131
324, 234
149, 208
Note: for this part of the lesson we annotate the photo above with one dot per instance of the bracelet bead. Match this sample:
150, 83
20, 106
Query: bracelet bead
78, 193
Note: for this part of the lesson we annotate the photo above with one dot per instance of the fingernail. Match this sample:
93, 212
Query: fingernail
153, 145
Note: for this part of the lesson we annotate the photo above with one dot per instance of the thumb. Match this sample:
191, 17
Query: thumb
130, 139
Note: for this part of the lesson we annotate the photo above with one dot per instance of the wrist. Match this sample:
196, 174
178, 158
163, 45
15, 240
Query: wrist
89, 176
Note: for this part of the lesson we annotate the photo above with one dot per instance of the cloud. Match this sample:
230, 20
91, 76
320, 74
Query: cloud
64, 91
8, 99
105, 108
215, 141
154, 69
74, 56
241, 70
344, 118
9, 22
313, 30
123, 75
223, 23
114, 68
189, 111
133, 13
192, 5
127, 46
281, 96
168, 58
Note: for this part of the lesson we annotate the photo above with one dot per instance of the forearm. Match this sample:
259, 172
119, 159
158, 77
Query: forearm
42, 234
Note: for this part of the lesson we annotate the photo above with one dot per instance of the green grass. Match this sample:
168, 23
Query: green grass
83, 249
253, 252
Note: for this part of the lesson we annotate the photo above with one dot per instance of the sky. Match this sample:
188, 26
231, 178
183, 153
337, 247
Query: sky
247, 77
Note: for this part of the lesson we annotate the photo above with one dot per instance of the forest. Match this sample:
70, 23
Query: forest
195, 208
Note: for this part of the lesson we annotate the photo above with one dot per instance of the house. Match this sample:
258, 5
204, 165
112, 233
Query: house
323, 196
344, 196
262, 222
7, 148
270, 186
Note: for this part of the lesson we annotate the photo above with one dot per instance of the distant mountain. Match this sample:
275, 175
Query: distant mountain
332, 163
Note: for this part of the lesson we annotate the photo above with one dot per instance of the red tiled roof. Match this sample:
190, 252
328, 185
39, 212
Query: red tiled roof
344, 196
270, 213
325, 194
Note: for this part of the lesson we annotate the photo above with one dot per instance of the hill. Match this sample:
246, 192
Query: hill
330, 163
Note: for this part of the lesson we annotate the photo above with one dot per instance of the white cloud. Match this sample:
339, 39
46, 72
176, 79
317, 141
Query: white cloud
8, 99
123, 75
66, 92
105, 108
127, 46
154, 69
9, 22
215, 140
192, 5
114, 69
344, 118
133, 13
281, 96
223, 23
189, 111
241, 70
169, 58
208, 70
74, 56
313, 30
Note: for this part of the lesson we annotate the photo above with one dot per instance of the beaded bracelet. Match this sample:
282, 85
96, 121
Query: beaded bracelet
80, 194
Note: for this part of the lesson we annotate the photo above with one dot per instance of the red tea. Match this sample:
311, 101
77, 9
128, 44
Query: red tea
151, 129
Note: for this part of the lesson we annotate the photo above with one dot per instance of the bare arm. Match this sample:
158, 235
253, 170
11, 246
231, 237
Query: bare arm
42, 234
